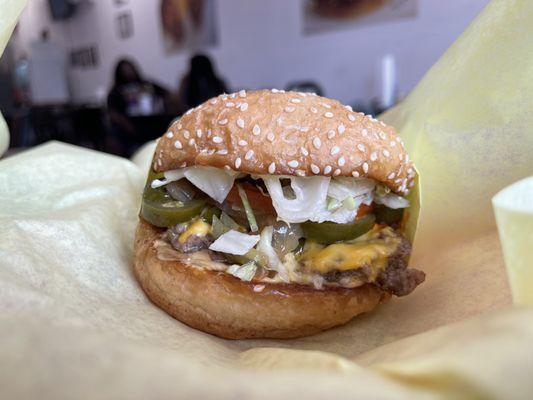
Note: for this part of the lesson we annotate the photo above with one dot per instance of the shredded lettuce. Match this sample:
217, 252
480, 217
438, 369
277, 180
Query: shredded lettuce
233, 242
248, 209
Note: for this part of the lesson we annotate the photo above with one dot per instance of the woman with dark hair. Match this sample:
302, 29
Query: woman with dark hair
201, 82
131, 96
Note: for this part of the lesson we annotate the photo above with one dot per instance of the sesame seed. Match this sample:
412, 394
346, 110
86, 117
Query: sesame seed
227, 167
398, 180
271, 137
336, 172
244, 106
243, 142
240, 123
386, 153
398, 139
400, 156
238, 162
304, 151
186, 134
373, 156
328, 115
411, 184
224, 97
365, 167
334, 150
213, 101
211, 152
233, 95
391, 176
188, 111
259, 288
217, 139
223, 122
300, 172
256, 130
351, 117
314, 110
331, 134
364, 132
296, 101
341, 128
209, 133
249, 154
316, 142
169, 135
392, 143
341, 161
199, 133
159, 162
272, 168
192, 142
177, 144
361, 147
230, 104
326, 105
373, 119
383, 135
222, 152
183, 164
407, 158
315, 169
289, 109
274, 90
327, 169
349, 108
355, 174
293, 163
242, 93
382, 123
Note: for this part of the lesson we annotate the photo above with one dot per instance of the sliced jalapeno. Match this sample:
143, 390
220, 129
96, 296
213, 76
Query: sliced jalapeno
330, 232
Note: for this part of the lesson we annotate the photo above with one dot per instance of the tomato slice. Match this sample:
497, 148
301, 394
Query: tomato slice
364, 210
257, 200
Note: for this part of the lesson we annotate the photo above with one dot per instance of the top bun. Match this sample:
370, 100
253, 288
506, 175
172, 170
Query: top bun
286, 133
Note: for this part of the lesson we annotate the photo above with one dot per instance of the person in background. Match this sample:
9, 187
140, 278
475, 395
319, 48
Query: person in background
131, 96
201, 82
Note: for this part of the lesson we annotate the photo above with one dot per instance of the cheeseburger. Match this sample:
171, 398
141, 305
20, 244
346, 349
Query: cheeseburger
275, 214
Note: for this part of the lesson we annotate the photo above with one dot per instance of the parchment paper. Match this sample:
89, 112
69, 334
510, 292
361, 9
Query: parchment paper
75, 324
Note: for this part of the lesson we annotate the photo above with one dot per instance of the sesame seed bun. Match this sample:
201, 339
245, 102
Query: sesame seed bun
286, 133
220, 304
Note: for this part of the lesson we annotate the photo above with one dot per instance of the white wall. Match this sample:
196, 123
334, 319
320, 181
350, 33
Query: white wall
261, 45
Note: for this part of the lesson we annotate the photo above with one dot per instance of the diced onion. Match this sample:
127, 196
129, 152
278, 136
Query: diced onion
392, 200
233, 242
214, 182
265, 248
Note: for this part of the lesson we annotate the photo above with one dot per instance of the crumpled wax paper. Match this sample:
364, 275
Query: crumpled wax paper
9, 13
513, 207
74, 322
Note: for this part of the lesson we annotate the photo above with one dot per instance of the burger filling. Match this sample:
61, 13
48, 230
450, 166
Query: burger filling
317, 231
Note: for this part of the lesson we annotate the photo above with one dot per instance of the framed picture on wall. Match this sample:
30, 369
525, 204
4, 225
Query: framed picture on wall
329, 15
188, 24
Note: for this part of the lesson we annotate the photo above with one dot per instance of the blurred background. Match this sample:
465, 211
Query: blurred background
112, 74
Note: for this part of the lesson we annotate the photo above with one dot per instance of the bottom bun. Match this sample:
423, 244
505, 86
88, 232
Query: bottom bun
225, 306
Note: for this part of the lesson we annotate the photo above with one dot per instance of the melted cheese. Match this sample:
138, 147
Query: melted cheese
372, 251
198, 228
